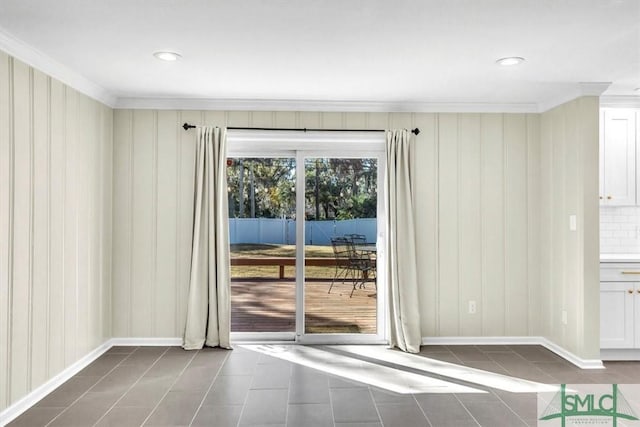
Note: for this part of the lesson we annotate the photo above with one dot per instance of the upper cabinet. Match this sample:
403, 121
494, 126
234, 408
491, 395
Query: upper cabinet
618, 172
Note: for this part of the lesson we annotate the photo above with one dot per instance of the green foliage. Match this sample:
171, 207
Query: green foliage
335, 188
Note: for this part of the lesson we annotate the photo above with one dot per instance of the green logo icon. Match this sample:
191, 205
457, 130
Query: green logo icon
611, 405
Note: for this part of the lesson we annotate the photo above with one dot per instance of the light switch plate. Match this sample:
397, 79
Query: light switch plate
573, 222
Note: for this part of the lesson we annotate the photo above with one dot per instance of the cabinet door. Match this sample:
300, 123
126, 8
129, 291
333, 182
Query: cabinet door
616, 314
618, 158
636, 317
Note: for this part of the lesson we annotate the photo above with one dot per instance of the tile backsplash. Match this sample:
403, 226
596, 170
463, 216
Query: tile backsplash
619, 230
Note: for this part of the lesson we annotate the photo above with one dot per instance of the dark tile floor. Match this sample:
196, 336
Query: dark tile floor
160, 386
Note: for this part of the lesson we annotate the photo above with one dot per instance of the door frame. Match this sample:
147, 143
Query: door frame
300, 146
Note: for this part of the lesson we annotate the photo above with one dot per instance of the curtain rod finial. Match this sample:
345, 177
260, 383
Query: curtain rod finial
187, 126
415, 131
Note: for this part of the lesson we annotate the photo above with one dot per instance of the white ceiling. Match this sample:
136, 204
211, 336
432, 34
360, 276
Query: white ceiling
394, 52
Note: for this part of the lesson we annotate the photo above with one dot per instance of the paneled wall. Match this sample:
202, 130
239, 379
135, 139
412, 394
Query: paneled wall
55, 227
488, 243
477, 209
570, 259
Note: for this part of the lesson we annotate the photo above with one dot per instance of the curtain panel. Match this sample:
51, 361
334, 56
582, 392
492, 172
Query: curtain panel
209, 305
402, 278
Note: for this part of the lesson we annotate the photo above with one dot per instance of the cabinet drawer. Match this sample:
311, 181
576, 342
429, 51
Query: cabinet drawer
618, 273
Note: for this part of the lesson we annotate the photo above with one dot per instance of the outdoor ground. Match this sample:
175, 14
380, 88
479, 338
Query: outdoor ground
262, 302
250, 250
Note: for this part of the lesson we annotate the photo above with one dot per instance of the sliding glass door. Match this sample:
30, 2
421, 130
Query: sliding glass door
305, 227
262, 233
341, 209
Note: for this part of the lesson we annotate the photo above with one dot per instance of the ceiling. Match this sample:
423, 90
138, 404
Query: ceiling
359, 51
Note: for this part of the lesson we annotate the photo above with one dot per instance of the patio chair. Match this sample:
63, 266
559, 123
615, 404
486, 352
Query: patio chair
342, 248
356, 239
362, 266
364, 260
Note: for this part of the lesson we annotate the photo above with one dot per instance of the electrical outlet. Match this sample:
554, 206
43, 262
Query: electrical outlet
472, 307
564, 317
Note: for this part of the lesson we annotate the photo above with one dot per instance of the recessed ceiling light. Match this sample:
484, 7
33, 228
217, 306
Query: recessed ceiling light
167, 56
509, 61
637, 89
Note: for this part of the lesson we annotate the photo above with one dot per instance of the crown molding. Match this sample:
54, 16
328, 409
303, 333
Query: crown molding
580, 89
593, 88
37, 59
33, 57
623, 101
315, 105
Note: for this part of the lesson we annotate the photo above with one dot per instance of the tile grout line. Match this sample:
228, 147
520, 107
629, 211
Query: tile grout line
244, 404
375, 405
169, 389
286, 418
246, 397
523, 360
333, 413
286, 410
133, 385
421, 409
511, 409
215, 377
249, 390
89, 389
466, 409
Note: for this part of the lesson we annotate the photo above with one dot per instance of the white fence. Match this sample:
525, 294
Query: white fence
283, 231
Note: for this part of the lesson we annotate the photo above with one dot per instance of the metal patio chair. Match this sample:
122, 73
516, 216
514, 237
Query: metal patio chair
342, 248
362, 266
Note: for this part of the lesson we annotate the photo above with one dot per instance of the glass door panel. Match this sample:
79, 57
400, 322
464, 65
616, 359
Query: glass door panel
340, 295
262, 233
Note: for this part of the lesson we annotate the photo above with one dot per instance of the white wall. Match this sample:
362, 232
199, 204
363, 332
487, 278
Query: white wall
476, 208
55, 227
570, 259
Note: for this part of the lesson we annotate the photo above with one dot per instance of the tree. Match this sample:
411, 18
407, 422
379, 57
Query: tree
271, 189
335, 188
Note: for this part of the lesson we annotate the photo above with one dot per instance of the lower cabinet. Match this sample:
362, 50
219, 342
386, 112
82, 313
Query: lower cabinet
619, 314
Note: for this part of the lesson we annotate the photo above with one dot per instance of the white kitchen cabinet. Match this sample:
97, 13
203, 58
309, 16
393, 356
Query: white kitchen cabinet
619, 307
618, 180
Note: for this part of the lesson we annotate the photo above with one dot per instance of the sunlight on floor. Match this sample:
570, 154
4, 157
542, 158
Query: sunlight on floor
450, 370
368, 364
355, 369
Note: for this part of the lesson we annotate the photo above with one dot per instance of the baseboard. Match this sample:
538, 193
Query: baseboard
619, 354
168, 342
570, 357
16, 409
542, 341
481, 340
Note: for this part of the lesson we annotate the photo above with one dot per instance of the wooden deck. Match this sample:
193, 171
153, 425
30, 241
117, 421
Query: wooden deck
269, 306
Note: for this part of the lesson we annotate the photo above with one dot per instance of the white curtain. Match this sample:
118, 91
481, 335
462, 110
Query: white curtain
209, 305
402, 277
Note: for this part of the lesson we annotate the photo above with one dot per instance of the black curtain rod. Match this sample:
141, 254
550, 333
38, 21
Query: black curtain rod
415, 131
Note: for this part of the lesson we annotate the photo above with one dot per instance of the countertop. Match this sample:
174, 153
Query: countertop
619, 257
